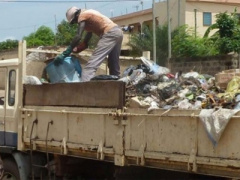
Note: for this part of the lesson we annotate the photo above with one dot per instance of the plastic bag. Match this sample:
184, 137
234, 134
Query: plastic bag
36, 56
105, 77
136, 76
66, 72
191, 74
233, 88
233, 85
237, 100
215, 122
128, 71
184, 104
31, 80
155, 69
144, 67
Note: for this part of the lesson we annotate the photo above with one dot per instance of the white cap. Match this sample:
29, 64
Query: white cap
70, 13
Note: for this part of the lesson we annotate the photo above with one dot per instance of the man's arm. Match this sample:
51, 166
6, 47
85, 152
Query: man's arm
74, 43
78, 37
88, 37
83, 45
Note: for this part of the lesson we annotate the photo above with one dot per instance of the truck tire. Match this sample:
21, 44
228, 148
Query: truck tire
10, 170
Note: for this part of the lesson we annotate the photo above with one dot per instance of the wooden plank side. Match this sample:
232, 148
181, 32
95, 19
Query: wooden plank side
109, 94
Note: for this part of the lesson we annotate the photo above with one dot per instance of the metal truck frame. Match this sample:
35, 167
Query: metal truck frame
46, 128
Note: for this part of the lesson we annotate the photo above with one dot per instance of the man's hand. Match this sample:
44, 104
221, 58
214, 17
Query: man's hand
81, 47
60, 58
68, 51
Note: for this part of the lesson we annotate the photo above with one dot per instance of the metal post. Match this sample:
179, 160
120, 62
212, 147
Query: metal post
195, 21
239, 59
179, 12
169, 33
55, 29
154, 31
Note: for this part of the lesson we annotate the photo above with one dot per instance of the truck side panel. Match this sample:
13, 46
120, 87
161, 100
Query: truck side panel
82, 132
177, 140
110, 94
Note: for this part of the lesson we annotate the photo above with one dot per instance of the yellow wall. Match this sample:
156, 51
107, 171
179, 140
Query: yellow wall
215, 8
177, 14
183, 16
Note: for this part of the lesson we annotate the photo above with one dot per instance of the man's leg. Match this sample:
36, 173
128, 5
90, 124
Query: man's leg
104, 47
113, 57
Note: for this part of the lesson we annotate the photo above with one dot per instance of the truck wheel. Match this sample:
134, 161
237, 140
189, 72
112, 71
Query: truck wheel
10, 170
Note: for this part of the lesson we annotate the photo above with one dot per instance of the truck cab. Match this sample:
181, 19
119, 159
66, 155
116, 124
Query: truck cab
9, 115
9, 102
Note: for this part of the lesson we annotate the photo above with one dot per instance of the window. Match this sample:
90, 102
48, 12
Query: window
11, 88
207, 19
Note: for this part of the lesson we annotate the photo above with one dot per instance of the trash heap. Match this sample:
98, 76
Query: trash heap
151, 86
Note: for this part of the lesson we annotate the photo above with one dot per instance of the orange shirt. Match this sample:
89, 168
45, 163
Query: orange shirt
96, 22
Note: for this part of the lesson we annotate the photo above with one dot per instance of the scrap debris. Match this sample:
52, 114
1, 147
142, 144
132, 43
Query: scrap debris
150, 85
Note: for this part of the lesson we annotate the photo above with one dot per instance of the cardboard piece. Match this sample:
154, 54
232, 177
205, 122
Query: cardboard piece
223, 78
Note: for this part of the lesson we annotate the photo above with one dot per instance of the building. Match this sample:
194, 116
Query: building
197, 14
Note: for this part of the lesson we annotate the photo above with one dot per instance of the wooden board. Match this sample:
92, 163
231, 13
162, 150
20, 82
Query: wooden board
85, 94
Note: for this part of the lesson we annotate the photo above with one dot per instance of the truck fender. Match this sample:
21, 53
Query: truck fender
22, 160
1, 168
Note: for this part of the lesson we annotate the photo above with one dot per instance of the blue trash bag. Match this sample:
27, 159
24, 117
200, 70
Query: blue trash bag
68, 71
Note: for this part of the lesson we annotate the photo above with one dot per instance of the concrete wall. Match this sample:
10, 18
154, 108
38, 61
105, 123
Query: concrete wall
209, 65
8, 54
177, 12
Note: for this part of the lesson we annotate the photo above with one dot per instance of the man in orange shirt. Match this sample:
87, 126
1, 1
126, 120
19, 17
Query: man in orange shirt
110, 42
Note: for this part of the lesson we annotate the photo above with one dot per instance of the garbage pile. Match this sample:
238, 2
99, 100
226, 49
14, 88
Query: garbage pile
151, 86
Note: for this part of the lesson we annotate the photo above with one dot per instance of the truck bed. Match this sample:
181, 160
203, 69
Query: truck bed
90, 120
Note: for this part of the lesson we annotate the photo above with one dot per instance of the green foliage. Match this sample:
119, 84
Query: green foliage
93, 42
65, 33
141, 42
226, 24
8, 44
186, 44
162, 44
227, 36
144, 42
44, 36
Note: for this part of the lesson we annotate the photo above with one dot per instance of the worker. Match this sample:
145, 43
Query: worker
109, 44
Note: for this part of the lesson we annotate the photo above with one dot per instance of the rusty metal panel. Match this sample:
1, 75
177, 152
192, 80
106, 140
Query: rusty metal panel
228, 145
159, 133
110, 94
164, 138
83, 132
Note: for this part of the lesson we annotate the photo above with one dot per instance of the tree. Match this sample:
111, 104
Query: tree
227, 36
66, 32
8, 44
44, 36
140, 42
144, 42
186, 44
